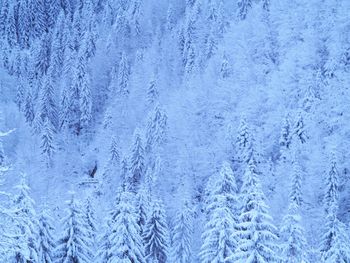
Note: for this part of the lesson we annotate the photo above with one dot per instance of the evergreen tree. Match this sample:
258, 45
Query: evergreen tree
23, 21
58, 48
91, 221
152, 92
47, 141
335, 246
29, 108
182, 237
294, 246
42, 55
26, 224
223, 185
299, 129
75, 244
4, 12
218, 245
225, 68
155, 235
170, 18
85, 98
142, 208
52, 10
125, 239
243, 8
104, 253
124, 173
11, 29
20, 95
38, 18
156, 128
256, 235
335, 242
48, 108
114, 158
244, 143
137, 163
286, 138
46, 238
332, 186
123, 76
135, 17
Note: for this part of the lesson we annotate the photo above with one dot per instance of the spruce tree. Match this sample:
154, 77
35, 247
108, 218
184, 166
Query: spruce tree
225, 68
243, 8
20, 95
218, 244
256, 235
182, 236
155, 235
137, 163
47, 142
23, 24
48, 107
58, 48
285, 138
4, 12
46, 238
335, 241
85, 98
42, 55
332, 186
114, 153
29, 108
124, 237
299, 129
11, 30
26, 224
123, 76
152, 92
75, 244
91, 221
142, 204
294, 246
244, 143
156, 128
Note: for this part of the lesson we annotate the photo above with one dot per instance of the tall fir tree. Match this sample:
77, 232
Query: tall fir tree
155, 235
123, 76
48, 107
243, 8
124, 237
75, 244
181, 251
218, 242
29, 108
137, 163
335, 241
26, 223
46, 238
142, 204
285, 138
299, 129
152, 91
47, 142
42, 55
294, 245
91, 222
256, 235
156, 128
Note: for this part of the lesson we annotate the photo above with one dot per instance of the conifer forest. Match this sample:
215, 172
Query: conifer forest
174, 131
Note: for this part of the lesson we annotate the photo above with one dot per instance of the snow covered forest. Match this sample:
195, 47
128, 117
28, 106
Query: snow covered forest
174, 131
